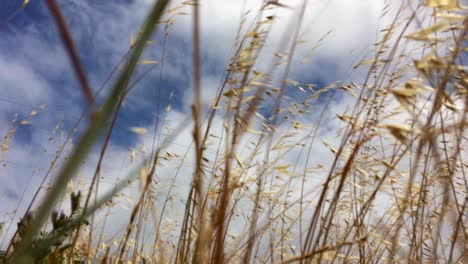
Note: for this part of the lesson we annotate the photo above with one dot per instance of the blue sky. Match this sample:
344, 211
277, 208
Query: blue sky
35, 71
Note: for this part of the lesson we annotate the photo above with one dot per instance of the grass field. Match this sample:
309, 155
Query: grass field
369, 169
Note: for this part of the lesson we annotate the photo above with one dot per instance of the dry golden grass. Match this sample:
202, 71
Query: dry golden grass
395, 190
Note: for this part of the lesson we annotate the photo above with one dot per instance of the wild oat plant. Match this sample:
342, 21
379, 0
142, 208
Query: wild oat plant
256, 192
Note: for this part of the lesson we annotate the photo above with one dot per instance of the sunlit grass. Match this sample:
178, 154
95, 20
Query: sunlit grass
259, 191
